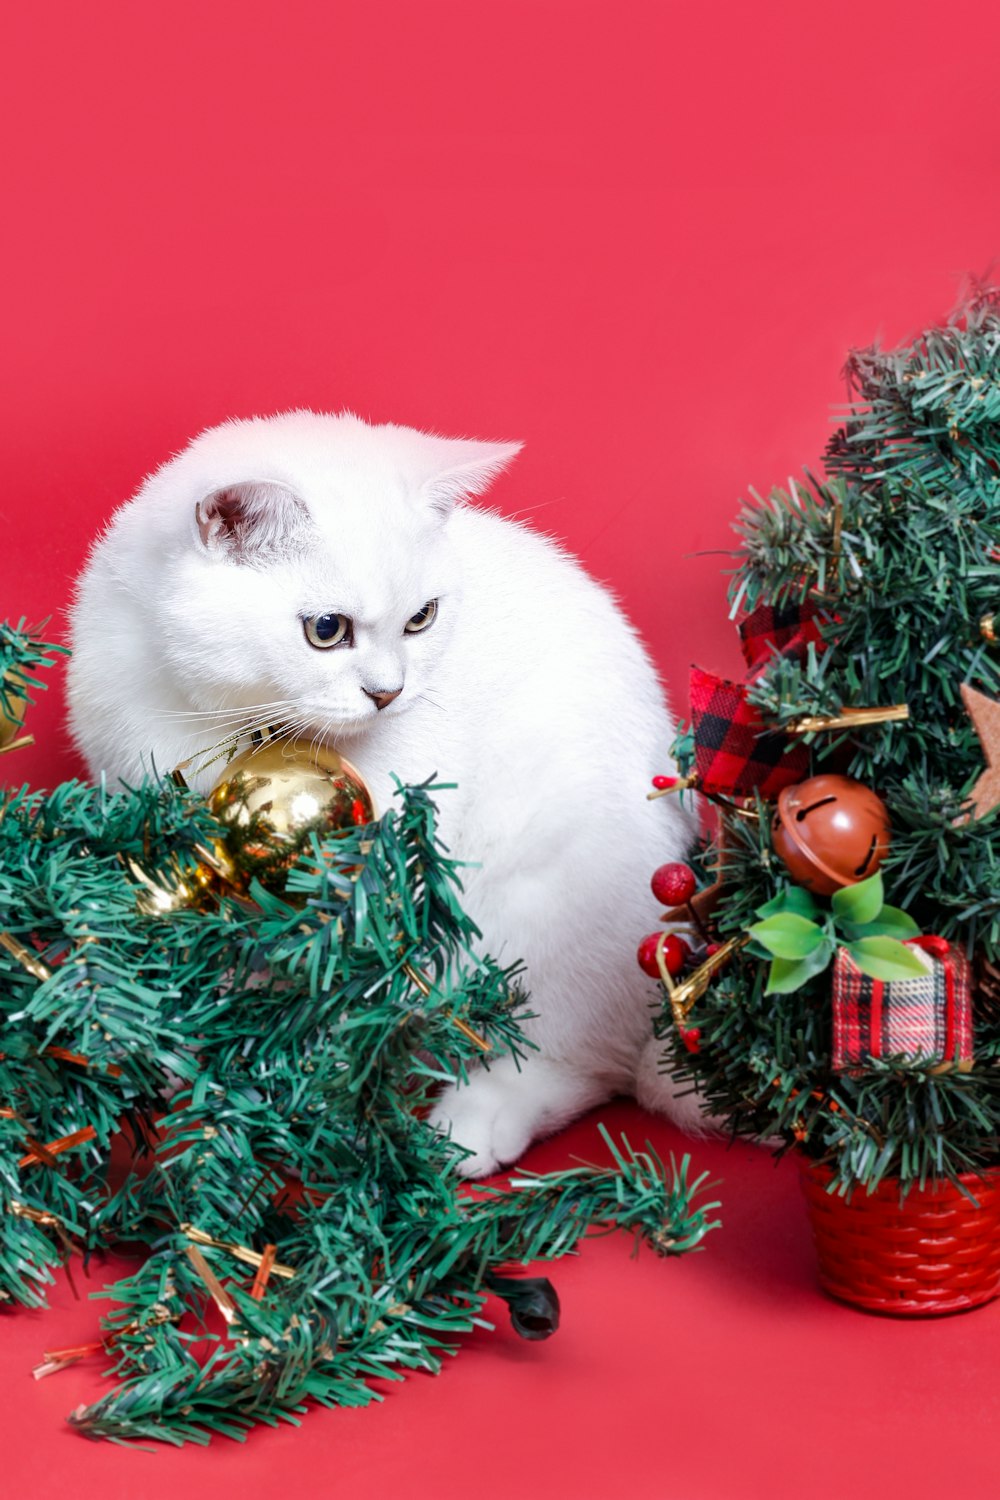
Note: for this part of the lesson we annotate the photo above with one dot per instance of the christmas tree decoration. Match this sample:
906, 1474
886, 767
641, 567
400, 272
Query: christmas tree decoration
886, 1087
276, 797
683, 995
735, 751
662, 951
985, 715
829, 832
788, 630
12, 708
22, 653
674, 884
736, 754
937, 1252
700, 909
848, 718
690, 1036
925, 1019
801, 940
666, 786
986, 987
263, 1062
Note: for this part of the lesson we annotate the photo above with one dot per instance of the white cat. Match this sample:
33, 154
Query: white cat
318, 570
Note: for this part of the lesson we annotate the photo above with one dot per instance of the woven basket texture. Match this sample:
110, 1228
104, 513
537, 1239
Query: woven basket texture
936, 1252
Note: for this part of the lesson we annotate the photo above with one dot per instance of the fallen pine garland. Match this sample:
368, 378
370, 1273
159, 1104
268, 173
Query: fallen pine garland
269, 1056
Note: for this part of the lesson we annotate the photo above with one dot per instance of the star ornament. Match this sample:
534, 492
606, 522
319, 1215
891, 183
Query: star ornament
985, 715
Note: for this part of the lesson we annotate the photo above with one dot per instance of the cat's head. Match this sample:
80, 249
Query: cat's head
314, 575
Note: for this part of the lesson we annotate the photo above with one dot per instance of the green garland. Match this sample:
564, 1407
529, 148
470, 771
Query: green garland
269, 1063
22, 654
899, 547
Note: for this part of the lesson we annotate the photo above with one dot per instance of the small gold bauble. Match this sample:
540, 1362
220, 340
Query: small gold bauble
178, 888
274, 795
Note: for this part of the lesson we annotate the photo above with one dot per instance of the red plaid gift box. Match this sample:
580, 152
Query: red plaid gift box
928, 1019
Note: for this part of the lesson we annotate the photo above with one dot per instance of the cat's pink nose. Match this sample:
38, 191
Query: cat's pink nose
382, 700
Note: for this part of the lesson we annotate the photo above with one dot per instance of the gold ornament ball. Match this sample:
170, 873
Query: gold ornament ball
274, 795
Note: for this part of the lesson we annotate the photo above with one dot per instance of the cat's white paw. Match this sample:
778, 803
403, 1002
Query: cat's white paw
503, 1108
486, 1119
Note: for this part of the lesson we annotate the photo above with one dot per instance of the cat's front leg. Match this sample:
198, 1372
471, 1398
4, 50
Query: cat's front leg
504, 1107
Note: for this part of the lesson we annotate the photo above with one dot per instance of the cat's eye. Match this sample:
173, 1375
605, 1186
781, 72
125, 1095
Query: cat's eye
422, 618
324, 631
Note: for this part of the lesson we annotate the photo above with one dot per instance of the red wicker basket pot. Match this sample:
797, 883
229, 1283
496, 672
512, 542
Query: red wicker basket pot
936, 1252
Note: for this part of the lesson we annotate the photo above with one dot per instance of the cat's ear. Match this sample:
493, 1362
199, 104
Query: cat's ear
460, 467
248, 520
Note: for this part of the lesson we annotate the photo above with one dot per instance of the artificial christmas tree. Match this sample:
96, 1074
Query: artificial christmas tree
264, 1004
868, 601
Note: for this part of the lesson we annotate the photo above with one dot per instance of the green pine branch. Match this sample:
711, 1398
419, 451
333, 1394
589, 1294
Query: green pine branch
269, 1063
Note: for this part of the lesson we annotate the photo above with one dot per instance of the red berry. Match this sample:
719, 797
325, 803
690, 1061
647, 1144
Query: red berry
691, 1037
711, 949
674, 884
664, 783
647, 955
675, 954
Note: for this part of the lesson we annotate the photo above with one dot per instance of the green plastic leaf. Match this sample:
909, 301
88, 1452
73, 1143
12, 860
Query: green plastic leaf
886, 958
859, 903
786, 974
792, 898
757, 950
787, 935
890, 922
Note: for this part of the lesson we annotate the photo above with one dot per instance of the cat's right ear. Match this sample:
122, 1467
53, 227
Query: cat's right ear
456, 468
249, 520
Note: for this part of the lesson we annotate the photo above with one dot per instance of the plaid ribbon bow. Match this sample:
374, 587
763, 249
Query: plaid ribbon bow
736, 754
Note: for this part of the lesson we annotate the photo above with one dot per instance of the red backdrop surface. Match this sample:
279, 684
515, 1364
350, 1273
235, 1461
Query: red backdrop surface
640, 236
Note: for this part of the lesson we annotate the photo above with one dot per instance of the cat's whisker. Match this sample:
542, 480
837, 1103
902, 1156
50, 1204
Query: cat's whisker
255, 709
288, 730
264, 703
255, 724
284, 731
529, 510
245, 730
426, 698
318, 738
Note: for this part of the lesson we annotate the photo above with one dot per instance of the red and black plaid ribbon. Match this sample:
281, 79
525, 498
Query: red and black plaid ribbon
736, 754
769, 631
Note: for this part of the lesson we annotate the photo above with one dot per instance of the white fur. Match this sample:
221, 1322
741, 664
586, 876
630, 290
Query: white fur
530, 690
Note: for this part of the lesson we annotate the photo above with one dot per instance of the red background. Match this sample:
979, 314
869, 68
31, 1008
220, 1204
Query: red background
640, 236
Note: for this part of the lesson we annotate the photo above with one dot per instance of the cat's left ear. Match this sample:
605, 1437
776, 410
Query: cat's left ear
248, 520
461, 467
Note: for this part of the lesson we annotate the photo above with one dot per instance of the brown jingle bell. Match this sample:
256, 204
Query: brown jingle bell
830, 831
